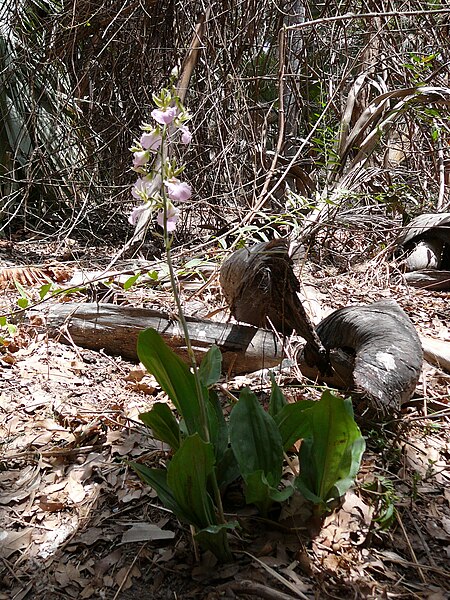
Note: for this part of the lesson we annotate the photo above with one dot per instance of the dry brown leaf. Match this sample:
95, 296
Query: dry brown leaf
107, 562
11, 541
144, 532
124, 578
28, 480
24, 275
75, 490
49, 505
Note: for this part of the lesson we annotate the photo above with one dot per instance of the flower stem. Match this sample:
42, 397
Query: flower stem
198, 385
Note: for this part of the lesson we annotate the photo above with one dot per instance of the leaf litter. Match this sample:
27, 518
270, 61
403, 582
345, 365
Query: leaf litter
75, 522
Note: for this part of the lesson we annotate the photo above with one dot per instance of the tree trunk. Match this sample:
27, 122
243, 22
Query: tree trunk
116, 328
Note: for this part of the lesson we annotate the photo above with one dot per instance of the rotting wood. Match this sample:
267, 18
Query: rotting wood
244, 349
436, 352
116, 328
426, 244
261, 288
429, 279
386, 350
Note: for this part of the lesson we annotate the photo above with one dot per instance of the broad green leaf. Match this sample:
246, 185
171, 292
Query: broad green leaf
277, 399
187, 478
173, 375
261, 494
162, 422
211, 366
255, 439
217, 426
331, 455
131, 281
227, 469
3, 321
214, 539
293, 422
157, 479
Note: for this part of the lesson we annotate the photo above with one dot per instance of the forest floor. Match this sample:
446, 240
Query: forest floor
76, 522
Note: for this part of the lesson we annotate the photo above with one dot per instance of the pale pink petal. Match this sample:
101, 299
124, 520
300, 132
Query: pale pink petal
172, 218
151, 141
177, 190
186, 135
141, 188
136, 213
164, 117
141, 158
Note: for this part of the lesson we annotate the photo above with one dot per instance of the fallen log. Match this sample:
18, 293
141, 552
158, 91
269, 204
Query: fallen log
261, 288
374, 350
436, 352
429, 279
116, 328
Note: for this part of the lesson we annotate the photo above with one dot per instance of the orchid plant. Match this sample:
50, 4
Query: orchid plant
209, 452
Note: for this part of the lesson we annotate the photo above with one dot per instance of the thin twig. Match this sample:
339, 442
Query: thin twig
350, 16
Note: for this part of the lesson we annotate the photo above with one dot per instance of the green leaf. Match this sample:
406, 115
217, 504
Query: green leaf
131, 281
259, 492
12, 329
187, 478
21, 289
214, 539
293, 422
173, 375
3, 321
227, 469
255, 439
22, 302
195, 262
44, 289
157, 479
277, 399
162, 422
330, 457
211, 367
217, 426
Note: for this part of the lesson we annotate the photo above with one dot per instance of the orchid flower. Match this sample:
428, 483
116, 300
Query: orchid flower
145, 187
137, 212
166, 116
141, 158
186, 135
177, 190
172, 217
151, 140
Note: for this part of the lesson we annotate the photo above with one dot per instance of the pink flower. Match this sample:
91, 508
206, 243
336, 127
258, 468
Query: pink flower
178, 190
166, 116
136, 213
151, 140
186, 135
172, 218
141, 158
143, 188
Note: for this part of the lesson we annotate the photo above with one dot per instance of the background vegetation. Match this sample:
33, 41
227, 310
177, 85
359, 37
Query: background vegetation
284, 120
